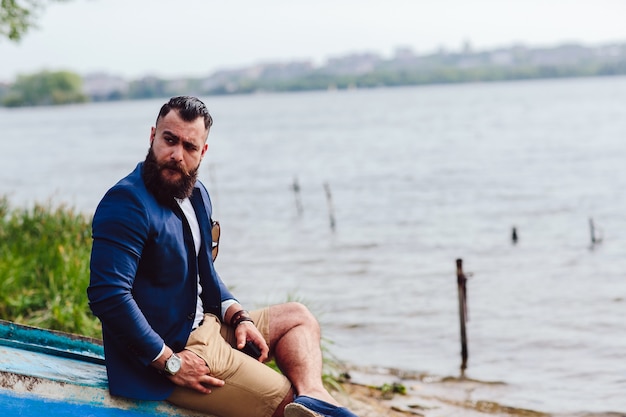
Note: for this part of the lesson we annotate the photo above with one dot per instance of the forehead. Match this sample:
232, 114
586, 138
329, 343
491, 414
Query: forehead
172, 123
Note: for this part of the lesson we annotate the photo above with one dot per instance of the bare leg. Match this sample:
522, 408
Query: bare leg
295, 341
280, 411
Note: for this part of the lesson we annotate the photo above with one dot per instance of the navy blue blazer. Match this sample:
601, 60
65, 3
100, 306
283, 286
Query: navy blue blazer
143, 284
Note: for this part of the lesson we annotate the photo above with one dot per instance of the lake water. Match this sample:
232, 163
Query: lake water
418, 177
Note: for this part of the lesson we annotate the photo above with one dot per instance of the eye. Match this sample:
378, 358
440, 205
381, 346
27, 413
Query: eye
190, 147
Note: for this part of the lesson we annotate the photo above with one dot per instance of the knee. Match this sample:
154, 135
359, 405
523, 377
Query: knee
302, 315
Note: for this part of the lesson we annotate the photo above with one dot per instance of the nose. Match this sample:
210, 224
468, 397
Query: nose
177, 153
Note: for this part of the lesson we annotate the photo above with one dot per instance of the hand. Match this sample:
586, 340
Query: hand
195, 374
246, 330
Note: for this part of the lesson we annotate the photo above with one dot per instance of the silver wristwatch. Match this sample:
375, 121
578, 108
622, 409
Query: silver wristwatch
172, 366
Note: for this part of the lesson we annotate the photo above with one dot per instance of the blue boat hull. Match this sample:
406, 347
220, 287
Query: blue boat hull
43, 372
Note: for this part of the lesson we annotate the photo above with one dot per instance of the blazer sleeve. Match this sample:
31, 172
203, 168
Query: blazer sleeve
120, 229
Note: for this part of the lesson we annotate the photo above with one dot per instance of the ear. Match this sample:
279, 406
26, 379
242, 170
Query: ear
152, 134
204, 149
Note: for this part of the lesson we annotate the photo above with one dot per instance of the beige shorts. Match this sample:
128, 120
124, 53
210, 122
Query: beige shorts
251, 388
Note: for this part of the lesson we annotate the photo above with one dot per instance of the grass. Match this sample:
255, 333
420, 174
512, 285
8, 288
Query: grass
44, 268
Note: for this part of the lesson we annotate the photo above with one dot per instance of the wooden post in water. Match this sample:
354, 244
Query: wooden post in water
461, 280
331, 210
596, 234
296, 191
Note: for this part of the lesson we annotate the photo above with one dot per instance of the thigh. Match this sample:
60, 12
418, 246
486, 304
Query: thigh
251, 388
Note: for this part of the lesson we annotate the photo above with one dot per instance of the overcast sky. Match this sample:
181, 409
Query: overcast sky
132, 38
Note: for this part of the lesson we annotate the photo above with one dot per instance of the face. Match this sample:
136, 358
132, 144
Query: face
178, 146
176, 149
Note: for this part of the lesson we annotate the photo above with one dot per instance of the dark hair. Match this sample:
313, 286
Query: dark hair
189, 108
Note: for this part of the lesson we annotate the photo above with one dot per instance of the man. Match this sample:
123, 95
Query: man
172, 330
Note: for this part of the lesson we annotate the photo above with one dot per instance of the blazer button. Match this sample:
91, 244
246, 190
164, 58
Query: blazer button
191, 316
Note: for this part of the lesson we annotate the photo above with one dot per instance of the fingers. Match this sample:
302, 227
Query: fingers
209, 381
202, 383
244, 332
253, 335
202, 387
265, 351
205, 384
194, 373
248, 331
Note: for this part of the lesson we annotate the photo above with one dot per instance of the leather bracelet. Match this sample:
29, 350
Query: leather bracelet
239, 317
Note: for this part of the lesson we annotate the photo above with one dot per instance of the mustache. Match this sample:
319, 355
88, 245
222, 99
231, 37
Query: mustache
174, 166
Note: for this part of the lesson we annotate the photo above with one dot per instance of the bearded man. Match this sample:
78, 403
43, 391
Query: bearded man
172, 330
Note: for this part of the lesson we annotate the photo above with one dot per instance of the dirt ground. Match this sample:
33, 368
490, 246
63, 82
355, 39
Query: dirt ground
453, 398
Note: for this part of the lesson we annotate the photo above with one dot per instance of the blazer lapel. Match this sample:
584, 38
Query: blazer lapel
211, 294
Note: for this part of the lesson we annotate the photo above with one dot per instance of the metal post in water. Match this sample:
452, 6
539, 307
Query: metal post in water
461, 280
331, 210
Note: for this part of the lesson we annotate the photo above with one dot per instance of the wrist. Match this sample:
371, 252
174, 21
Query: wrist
164, 355
240, 317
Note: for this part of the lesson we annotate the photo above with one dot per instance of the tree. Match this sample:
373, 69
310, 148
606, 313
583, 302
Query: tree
18, 16
45, 88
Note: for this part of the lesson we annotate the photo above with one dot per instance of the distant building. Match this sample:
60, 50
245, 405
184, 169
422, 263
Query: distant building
403, 67
355, 64
100, 86
404, 53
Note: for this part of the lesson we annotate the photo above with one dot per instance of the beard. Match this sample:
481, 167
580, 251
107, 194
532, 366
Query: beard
166, 190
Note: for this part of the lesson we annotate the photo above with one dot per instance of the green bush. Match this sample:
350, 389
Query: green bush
45, 88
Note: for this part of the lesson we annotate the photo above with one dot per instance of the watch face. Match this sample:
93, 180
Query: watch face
173, 364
